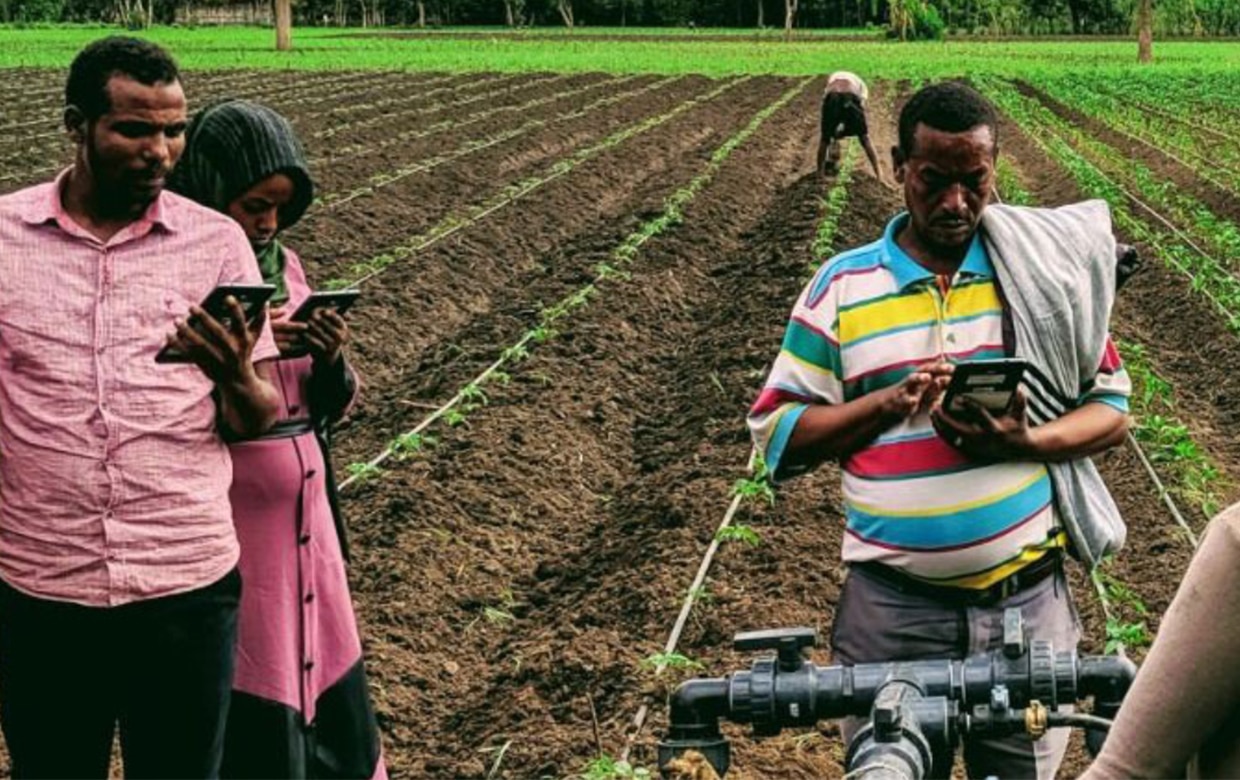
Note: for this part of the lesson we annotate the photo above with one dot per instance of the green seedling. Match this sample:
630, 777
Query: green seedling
363, 472
607, 768
701, 595
669, 661
409, 444
738, 533
1127, 635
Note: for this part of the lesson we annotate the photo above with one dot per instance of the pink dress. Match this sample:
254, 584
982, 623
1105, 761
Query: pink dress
300, 707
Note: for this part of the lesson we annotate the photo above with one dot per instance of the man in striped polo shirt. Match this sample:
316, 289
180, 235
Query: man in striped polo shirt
948, 522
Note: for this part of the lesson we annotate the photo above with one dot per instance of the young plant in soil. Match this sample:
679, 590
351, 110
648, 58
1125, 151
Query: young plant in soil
471, 396
607, 768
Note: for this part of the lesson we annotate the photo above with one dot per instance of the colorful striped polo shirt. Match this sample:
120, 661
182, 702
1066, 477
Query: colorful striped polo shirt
912, 501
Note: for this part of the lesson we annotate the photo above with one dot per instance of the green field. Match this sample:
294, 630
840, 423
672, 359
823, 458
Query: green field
599, 50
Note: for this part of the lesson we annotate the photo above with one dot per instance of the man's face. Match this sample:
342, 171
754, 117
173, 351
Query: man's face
129, 151
948, 181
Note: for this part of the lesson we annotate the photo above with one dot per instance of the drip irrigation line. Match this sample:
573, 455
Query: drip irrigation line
630, 245
560, 169
1163, 493
643, 713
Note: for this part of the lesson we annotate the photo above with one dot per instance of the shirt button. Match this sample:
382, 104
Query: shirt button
309, 665
310, 474
309, 598
305, 539
294, 409
109, 515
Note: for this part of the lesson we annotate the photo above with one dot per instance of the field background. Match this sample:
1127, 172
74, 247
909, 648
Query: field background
578, 253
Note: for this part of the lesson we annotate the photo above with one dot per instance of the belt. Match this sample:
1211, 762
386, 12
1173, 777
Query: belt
966, 597
284, 429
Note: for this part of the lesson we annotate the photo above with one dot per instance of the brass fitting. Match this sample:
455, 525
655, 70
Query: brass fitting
1036, 719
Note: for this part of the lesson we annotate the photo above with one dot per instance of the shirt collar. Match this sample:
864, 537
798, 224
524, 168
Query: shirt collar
49, 208
908, 271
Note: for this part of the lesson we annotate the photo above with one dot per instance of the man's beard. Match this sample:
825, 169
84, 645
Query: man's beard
114, 198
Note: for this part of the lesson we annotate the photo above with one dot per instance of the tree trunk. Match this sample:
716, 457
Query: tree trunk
761, 14
284, 25
1145, 31
421, 13
790, 12
565, 7
508, 14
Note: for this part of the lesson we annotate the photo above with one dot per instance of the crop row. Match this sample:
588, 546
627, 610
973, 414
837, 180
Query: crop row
1211, 158
472, 146
447, 125
551, 318
509, 85
362, 271
1173, 244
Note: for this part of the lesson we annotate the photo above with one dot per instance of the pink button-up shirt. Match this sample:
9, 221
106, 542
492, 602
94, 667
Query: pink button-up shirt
113, 479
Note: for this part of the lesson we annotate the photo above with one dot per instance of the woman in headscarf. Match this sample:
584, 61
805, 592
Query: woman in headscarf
300, 707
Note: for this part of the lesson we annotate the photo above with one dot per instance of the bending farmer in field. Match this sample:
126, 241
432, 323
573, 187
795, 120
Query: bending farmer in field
117, 551
300, 707
843, 116
949, 520
1184, 708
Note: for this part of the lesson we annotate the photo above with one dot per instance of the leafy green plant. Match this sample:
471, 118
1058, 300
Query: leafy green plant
701, 595
1126, 635
607, 768
363, 471
409, 444
738, 533
670, 661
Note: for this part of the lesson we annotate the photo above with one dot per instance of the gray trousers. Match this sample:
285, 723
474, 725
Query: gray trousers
875, 622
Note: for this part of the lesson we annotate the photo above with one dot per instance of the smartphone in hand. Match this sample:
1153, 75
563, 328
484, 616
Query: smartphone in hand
339, 300
989, 383
250, 296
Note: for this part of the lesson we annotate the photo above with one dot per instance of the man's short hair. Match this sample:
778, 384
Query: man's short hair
140, 60
950, 106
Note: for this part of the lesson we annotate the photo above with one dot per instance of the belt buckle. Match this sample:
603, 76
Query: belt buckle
1008, 586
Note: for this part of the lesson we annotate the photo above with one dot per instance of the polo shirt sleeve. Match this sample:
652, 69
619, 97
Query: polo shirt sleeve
807, 371
1111, 385
240, 267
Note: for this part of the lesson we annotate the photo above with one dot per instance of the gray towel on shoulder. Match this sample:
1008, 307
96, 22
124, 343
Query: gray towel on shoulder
1056, 268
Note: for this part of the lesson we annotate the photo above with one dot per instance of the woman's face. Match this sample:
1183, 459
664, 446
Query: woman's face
257, 210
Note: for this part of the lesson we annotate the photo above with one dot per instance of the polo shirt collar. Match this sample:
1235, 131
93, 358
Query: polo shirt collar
908, 271
48, 208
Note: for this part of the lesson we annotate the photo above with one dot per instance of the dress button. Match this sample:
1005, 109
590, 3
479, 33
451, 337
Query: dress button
309, 597
310, 474
305, 539
309, 665
294, 409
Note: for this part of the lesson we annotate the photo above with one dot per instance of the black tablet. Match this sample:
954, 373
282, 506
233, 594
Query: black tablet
990, 383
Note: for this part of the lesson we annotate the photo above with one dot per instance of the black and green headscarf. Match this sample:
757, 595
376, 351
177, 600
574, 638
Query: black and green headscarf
229, 147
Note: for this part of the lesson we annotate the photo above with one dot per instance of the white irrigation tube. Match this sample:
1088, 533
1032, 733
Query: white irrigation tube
447, 126
472, 147
1160, 218
508, 353
643, 712
539, 183
434, 108
673, 639
1163, 493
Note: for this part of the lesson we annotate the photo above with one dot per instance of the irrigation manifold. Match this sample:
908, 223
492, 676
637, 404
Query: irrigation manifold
917, 710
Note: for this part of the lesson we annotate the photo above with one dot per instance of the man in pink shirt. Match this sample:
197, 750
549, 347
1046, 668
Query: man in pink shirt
118, 583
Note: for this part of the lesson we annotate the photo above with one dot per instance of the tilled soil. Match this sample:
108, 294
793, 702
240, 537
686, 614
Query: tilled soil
511, 580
